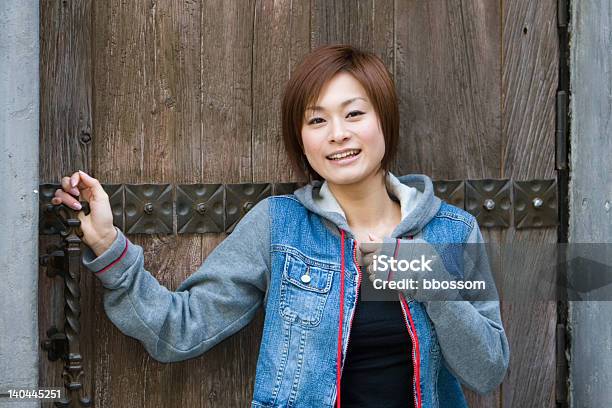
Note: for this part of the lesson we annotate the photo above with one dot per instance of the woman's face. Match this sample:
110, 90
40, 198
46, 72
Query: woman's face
343, 120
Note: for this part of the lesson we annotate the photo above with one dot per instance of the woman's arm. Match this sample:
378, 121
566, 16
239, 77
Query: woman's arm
470, 333
215, 302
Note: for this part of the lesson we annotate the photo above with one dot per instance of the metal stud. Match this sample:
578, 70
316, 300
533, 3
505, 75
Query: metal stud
489, 204
535, 204
489, 200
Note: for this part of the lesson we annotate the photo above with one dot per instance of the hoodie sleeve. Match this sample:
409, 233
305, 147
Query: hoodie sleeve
470, 333
213, 303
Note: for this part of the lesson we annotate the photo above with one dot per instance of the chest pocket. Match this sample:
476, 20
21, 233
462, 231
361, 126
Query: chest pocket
304, 288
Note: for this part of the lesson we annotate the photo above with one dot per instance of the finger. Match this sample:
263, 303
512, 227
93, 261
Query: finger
74, 179
88, 182
374, 238
369, 259
67, 199
368, 247
68, 187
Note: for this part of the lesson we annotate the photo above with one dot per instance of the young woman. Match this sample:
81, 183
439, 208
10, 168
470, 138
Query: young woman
298, 256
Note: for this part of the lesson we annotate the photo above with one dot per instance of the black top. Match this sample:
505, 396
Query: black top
378, 365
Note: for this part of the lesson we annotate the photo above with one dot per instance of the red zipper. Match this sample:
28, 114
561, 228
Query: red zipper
348, 335
416, 357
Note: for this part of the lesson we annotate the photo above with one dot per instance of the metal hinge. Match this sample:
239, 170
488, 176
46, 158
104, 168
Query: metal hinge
562, 16
561, 131
561, 371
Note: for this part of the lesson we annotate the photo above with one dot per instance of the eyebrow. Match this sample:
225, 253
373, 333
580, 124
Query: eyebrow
343, 104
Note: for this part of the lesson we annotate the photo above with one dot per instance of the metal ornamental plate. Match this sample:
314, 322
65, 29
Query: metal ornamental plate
148, 208
489, 200
115, 195
199, 208
240, 198
535, 204
451, 191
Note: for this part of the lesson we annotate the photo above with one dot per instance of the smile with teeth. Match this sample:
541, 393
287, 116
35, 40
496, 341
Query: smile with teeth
348, 153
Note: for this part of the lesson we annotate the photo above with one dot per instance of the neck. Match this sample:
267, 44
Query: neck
366, 204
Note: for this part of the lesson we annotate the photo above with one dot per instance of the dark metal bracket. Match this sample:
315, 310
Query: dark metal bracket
215, 208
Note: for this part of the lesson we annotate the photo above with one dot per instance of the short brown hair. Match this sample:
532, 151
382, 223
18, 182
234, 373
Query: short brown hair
306, 82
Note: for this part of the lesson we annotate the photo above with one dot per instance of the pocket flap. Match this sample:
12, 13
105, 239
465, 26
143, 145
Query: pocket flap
306, 276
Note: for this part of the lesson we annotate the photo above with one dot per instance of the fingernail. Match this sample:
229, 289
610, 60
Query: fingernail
75, 191
77, 206
73, 182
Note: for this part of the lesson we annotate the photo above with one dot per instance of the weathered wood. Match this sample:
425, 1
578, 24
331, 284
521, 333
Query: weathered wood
590, 194
287, 27
66, 116
447, 75
190, 92
529, 81
367, 24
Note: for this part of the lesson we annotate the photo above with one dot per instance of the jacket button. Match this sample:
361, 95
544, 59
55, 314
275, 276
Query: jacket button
305, 279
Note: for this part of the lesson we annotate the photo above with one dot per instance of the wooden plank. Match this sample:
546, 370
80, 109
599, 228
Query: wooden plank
65, 146
224, 375
187, 94
529, 80
271, 68
590, 194
126, 120
447, 76
367, 24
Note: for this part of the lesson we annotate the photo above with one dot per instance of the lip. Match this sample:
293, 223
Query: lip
346, 160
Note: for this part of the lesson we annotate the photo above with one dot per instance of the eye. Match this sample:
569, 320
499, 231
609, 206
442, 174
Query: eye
353, 114
315, 121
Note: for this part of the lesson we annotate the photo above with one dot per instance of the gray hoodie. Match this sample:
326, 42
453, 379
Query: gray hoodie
224, 293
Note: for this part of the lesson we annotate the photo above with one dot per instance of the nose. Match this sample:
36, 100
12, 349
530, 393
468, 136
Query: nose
339, 133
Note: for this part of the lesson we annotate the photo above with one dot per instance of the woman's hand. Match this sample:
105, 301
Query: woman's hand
428, 267
366, 253
98, 229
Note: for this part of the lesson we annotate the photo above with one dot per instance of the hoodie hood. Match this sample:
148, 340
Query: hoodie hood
414, 192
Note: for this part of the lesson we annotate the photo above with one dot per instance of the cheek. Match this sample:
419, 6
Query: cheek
371, 134
311, 142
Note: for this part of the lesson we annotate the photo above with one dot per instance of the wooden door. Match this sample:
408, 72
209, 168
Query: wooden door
186, 91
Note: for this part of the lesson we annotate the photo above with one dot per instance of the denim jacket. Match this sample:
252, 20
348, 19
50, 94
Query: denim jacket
298, 260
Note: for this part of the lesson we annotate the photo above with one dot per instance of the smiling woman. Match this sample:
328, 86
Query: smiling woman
341, 95
301, 255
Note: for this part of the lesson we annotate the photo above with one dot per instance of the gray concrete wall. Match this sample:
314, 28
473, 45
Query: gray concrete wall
19, 126
591, 193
